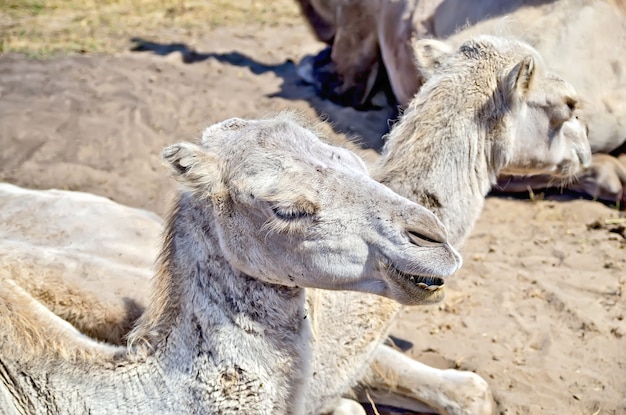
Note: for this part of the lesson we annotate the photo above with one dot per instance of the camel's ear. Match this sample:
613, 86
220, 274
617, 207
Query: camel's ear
429, 54
521, 77
192, 166
219, 128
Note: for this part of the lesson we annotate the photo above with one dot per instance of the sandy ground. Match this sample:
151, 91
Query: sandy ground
538, 309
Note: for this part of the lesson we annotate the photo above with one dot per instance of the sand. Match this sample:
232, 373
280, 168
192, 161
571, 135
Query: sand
538, 308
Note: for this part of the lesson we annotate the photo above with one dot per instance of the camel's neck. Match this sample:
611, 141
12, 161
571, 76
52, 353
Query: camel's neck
439, 156
227, 336
212, 341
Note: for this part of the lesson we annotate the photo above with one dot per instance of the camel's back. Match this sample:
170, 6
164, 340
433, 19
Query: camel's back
56, 230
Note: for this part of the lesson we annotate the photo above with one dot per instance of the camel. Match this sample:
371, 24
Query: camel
558, 29
51, 233
445, 152
226, 329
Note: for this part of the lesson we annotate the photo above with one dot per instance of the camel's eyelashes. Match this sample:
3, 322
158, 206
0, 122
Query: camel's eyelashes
299, 209
423, 240
289, 213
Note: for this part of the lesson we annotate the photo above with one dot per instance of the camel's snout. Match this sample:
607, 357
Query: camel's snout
577, 131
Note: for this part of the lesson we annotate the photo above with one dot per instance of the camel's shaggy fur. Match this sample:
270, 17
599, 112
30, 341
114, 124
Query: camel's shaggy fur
445, 152
580, 40
226, 330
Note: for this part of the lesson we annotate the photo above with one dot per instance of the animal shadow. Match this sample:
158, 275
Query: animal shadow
366, 127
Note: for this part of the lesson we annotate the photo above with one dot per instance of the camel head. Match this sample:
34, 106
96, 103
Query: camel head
291, 210
531, 115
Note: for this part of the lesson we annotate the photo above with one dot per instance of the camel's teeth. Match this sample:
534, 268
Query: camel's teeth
427, 287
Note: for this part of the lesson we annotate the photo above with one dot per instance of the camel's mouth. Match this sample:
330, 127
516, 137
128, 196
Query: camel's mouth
421, 281
420, 288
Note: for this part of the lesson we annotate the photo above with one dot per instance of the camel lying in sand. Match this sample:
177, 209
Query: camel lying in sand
580, 40
266, 209
469, 141
75, 239
445, 153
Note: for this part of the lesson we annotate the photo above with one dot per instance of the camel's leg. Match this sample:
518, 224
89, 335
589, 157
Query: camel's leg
397, 380
355, 52
348, 407
107, 321
604, 179
348, 72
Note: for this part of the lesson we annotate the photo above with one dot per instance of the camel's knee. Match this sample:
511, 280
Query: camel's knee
348, 407
473, 395
605, 179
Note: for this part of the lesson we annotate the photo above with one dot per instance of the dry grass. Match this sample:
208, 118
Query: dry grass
49, 27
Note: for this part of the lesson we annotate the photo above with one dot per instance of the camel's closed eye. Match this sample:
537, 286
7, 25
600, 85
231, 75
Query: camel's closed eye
289, 216
559, 113
289, 213
572, 104
291, 210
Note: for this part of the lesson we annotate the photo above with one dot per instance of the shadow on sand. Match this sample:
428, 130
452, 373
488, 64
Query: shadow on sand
365, 127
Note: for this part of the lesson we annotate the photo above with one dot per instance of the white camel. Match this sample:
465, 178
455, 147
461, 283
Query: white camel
488, 107
266, 209
580, 40
62, 245
445, 152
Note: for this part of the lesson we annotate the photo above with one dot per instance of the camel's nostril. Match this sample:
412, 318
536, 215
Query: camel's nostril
423, 240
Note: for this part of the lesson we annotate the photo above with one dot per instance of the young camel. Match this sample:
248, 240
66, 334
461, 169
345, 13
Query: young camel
445, 152
486, 108
370, 33
226, 329
581, 40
